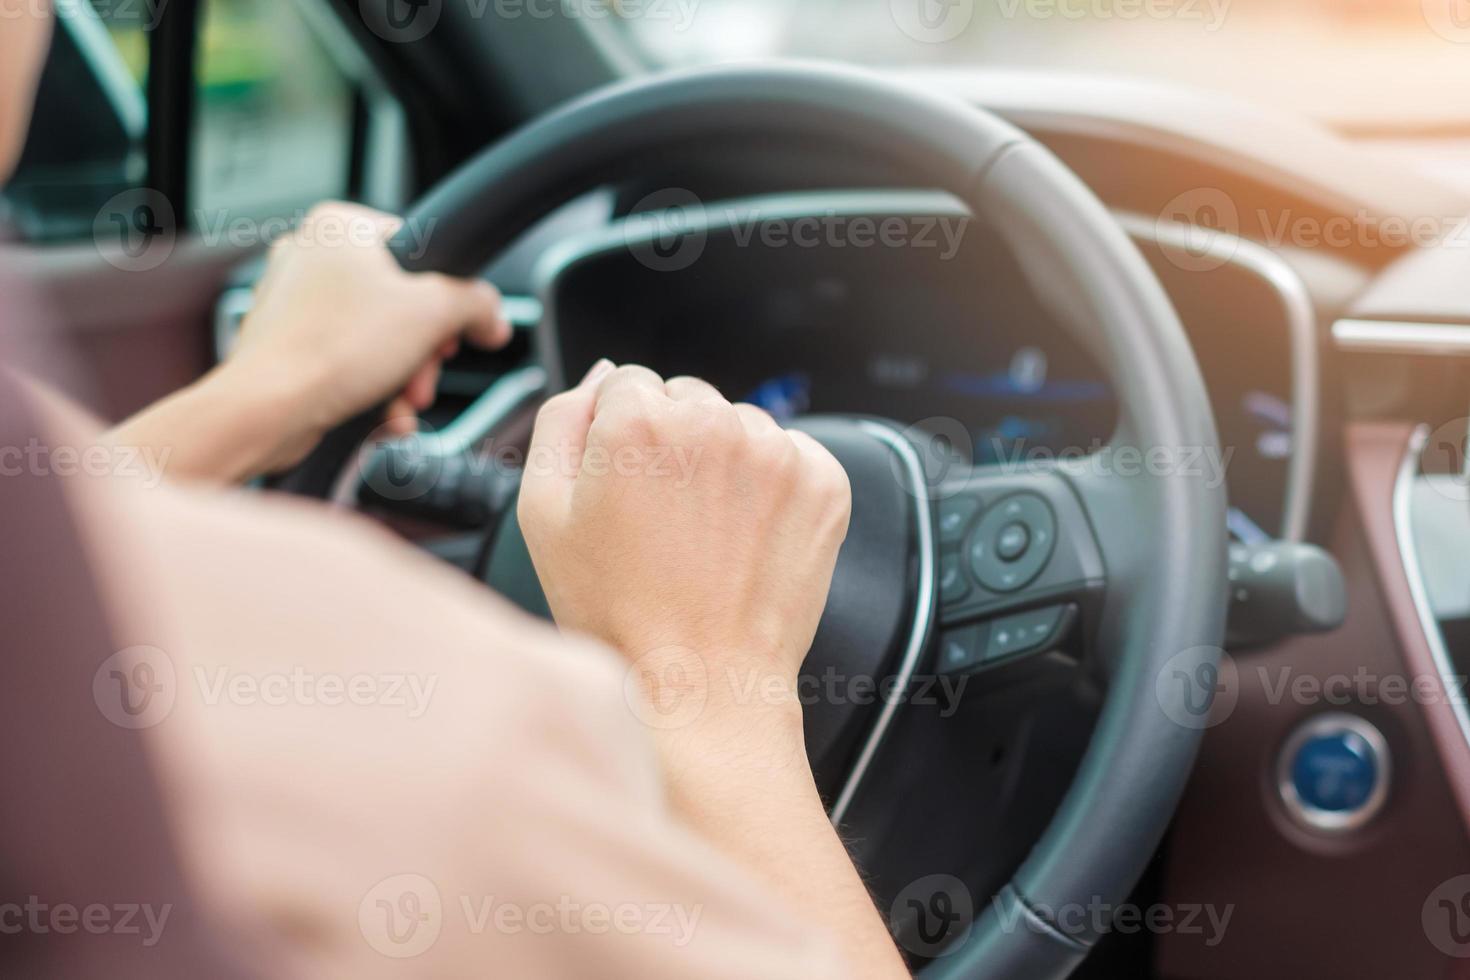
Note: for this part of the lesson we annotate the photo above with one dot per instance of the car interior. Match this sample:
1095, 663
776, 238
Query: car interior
1128, 326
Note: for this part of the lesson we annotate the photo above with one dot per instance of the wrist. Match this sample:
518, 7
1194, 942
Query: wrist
260, 412
723, 725
728, 765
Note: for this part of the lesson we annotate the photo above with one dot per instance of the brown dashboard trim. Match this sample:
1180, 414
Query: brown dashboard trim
1305, 904
1375, 453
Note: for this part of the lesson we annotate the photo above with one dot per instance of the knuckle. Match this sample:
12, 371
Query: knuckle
630, 420
707, 423
630, 375
828, 478
772, 450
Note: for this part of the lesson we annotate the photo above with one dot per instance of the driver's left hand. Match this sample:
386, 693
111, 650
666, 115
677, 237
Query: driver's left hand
339, 326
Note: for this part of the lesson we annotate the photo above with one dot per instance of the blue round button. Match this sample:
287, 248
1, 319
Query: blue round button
1336, 772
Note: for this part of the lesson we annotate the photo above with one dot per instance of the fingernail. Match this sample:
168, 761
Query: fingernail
596, 372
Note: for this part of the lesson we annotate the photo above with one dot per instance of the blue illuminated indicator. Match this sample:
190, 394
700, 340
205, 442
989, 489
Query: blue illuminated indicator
1335, 772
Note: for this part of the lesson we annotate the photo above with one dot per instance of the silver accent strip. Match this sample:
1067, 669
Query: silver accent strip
506, 394
1403, 527
923, 610
1333, 821
1402, 337
1301, 320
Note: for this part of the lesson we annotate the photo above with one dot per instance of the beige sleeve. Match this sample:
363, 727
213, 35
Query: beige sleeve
376, 767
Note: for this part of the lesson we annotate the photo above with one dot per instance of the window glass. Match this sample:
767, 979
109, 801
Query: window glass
85, 146
274, 112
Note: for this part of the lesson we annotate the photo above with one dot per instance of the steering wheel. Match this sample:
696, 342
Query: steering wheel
1128, 544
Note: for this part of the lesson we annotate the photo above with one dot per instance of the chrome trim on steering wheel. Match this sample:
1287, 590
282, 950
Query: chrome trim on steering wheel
923, 609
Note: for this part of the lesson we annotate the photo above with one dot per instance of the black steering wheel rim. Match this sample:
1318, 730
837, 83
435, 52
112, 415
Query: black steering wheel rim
1165, 532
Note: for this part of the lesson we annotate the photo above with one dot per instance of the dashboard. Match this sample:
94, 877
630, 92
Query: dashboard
959, 341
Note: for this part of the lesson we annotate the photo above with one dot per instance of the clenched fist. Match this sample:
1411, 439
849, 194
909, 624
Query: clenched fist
673, 525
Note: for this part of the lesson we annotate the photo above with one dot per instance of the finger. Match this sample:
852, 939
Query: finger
809, 446
422, 387
399, 418
560, 438
756, 420
630, 384
685, 388
477, 312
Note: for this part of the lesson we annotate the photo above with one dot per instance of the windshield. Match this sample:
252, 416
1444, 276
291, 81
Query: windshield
1374, 67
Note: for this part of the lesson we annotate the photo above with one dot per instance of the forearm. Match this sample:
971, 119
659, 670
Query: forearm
751, 792
223, 428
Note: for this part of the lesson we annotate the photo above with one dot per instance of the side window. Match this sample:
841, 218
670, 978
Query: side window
86, 141
287, 113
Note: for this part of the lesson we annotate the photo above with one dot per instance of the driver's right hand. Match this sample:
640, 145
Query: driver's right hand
696, 537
